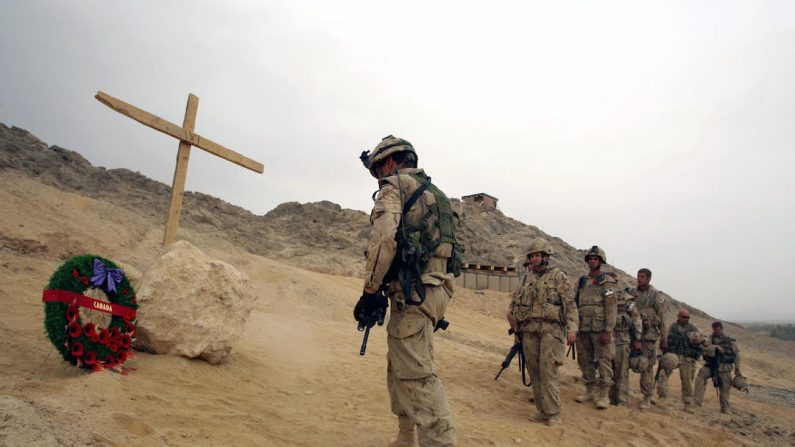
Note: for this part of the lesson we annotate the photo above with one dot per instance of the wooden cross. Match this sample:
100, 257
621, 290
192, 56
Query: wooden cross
186, 139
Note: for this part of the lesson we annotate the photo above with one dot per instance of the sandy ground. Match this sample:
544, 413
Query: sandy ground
296, 378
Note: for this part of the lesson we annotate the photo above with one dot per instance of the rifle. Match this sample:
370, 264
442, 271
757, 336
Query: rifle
657, 374
713, 364
517, 348
573, 351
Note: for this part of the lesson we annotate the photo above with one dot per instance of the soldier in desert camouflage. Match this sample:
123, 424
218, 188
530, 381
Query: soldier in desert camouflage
416, 393
686, 341
649, 303
627, 321
597, 306
723, 350
545, 317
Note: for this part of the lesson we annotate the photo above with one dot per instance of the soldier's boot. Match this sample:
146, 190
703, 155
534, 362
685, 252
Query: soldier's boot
554, 420
539, 417
406, 436
587, 396
645, 403
689, 408
604, 399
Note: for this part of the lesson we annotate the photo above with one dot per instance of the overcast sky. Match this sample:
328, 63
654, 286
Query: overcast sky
661, 131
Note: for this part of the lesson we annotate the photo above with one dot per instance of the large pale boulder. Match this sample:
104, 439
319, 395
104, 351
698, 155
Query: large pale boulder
192, 305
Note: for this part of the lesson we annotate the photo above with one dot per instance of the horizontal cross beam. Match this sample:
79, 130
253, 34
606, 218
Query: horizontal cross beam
169, 128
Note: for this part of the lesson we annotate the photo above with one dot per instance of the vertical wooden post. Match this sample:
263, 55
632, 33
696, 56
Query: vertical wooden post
180, 172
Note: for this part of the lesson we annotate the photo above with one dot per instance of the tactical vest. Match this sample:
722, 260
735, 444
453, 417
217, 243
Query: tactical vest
538, 298
679, 343
623, 319
432, 236
728, 355
591, 301
648, 313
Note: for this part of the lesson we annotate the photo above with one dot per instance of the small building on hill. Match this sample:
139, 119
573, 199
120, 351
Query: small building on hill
482, 198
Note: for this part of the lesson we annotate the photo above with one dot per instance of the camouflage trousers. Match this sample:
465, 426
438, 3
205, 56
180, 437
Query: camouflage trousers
593, 356
687, 370
544, 352
705, 376
619, 391
649, 350
414, 389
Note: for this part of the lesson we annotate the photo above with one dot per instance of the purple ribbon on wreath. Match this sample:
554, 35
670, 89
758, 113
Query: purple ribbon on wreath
103, 274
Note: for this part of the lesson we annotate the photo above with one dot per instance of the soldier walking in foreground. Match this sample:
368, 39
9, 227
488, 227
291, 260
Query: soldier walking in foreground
627, 322
411, 257
545, 315
596, 304
685, 340
721, 357
649, 303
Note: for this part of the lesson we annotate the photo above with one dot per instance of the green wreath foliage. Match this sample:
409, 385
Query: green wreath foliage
74, 275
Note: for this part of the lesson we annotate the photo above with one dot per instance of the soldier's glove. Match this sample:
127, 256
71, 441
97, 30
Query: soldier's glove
370, 309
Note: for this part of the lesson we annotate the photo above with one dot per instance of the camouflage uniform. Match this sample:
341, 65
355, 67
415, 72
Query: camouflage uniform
596, 304
416, 393
680, 342
545, 311
627, 316
729, 360
649, 303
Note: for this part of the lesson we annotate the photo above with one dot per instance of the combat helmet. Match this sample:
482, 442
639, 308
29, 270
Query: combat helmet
539, 245
669, 362
741, 383
389, 145
638, 363
598, 252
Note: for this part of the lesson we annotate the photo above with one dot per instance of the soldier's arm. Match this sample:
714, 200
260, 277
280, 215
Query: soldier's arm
637, 321
736, 359
659, 308
611, 306
572, 314
385, 219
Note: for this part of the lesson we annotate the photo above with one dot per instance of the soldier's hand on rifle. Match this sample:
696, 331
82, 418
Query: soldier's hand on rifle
370, 309
605, 338
636, 345
571, 338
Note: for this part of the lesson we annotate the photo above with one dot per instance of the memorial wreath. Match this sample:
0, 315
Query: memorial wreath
66, 309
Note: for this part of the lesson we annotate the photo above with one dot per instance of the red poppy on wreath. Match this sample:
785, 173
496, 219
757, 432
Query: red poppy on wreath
110, 361
89, 329
122, 356
104, 336
72, 312
115, 333
74, 329
85, 280
125, 292
126, 342
130, 329
94, 337
75, 273
90, 358
77, 349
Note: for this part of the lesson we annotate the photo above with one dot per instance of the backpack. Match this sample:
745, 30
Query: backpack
416, 243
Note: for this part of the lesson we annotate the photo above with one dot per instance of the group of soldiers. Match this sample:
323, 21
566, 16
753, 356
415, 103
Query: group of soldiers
412, 260
615, 331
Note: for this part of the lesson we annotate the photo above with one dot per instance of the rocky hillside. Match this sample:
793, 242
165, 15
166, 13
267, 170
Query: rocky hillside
292, 232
